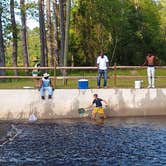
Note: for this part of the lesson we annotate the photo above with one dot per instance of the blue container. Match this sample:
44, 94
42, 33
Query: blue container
82, 84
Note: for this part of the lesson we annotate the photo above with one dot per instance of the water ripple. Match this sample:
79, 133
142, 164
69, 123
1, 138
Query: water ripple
117, 142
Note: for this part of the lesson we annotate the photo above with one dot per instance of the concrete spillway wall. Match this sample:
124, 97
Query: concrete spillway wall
19, 104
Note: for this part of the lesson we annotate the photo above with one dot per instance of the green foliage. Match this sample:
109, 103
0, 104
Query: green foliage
124, 30
120, 82
33, 48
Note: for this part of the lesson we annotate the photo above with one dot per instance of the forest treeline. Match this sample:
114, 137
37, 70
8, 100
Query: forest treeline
74, 32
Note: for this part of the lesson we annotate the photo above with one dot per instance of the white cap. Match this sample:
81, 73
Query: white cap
46, 75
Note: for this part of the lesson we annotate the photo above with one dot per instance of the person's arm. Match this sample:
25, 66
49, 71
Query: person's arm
97, 66
51, 83
98, 61
145, 63
40, 84
91, 105
105, 102
156, 61
107, 63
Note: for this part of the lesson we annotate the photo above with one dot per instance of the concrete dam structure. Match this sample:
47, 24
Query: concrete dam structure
19, 104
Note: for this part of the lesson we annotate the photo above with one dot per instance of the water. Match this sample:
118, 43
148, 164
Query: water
129, 141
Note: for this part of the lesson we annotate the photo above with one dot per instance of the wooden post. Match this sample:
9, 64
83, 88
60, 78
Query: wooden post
115, 74
64, 75
54, 73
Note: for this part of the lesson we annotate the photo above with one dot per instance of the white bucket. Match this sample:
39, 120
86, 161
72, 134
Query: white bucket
138, 84
32, 118
34, 74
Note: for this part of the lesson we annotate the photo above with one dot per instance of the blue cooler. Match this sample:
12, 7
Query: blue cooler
82, 84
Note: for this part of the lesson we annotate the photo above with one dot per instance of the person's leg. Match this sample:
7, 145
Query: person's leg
42, 92
105, 78
149, 77
94, 112
50, 92
101, 111
153, 76
99, 77
104, 114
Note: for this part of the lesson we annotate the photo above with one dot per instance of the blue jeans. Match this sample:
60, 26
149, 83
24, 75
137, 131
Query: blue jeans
43, 89
100, 73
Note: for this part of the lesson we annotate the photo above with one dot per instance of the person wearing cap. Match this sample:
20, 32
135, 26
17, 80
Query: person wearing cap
102, 65
46, 85
35, 71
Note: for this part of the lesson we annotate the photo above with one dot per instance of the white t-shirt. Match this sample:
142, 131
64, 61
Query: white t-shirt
102, 62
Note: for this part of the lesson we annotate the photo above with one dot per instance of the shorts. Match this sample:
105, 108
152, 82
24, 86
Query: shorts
99, 110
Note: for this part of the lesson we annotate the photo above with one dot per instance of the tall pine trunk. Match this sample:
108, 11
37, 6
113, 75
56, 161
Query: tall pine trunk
24, 33
2, 54
62, 31
43, 45
14, 35
55, 9
68, 4
50, 33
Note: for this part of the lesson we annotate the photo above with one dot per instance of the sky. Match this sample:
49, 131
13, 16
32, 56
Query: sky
31, 24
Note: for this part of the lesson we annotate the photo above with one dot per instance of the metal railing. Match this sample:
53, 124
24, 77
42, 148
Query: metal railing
114, 76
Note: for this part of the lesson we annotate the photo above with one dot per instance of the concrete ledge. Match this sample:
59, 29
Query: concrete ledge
19, 104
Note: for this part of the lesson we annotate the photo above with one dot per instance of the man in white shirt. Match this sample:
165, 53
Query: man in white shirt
102, 64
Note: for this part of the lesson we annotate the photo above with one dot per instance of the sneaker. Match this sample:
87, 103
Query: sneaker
149, 86
105, 87
153, 86
49, 97
43, 97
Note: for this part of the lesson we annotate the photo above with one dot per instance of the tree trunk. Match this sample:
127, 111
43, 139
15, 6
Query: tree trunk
43, 47
46, 48
68, 4
2, 54
62, 31
50, 33
114, 50
14, 35
55, 9
24, 34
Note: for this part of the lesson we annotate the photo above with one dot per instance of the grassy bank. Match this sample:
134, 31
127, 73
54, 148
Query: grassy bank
120, 82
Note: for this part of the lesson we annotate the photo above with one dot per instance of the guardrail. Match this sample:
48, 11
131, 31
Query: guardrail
65, 78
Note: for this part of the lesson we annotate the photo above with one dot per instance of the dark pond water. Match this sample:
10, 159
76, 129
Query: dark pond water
132, 141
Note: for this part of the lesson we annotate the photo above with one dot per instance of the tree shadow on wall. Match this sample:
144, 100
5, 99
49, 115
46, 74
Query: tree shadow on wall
49, 110
152, 104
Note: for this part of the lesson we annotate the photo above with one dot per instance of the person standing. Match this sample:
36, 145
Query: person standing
102, 64
150, 63
36, 72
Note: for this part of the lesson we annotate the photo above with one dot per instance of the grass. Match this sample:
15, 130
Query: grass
120, 82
